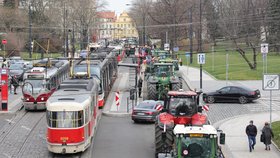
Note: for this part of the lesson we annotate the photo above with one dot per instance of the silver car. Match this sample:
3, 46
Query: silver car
146, 111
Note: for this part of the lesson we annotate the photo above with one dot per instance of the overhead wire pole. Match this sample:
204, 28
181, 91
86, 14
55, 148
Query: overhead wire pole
200, 40
191, 36
30, 29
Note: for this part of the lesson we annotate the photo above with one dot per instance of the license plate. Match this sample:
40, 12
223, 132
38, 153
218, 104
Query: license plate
140, 113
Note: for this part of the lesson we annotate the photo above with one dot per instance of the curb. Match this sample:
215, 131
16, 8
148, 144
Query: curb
115, 114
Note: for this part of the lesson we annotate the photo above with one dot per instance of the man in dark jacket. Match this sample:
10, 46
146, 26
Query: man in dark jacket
251, 131
140, 81
15, 83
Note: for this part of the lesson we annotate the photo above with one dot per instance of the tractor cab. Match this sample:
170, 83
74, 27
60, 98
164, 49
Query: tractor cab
182, 103
197, 141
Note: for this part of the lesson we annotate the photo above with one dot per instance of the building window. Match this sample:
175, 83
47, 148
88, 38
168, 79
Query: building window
124, 25
128, 25
124, 19
121, 25
110, 32
132, 31
118, 25
102, 32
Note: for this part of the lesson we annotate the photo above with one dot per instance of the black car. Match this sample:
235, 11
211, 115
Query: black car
17, 70
232, 94
146, 111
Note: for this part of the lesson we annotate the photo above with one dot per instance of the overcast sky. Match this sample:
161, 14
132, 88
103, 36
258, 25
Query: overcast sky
118, 5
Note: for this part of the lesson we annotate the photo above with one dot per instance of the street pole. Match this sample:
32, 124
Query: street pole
30, 29
200, 76
144, 28
200, 41
227, 67
73, 42
166, 37
64, 27
213, 58
136, 85
191, 37
270, 108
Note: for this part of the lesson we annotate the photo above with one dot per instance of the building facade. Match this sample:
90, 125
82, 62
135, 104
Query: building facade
124, 27
105, 25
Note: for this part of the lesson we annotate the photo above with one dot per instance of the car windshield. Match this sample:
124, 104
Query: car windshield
193, 147
16, 67
146, 105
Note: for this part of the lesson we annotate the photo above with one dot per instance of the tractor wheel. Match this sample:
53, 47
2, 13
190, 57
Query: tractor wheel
152, 91
162, 143
176, 87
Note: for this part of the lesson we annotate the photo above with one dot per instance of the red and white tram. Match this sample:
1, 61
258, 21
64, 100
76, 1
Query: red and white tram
41, 81
72, 116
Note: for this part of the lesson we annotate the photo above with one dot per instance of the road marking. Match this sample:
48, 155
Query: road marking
10, 121
26, 128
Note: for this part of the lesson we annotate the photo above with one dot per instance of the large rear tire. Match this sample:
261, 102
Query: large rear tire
162, 144
152, 91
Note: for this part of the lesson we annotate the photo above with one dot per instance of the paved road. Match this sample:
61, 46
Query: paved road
121, 138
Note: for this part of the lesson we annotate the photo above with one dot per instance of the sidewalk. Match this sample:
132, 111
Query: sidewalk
123, 110
236, 139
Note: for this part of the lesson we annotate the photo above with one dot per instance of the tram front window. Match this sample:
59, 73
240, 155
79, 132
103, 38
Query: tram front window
37, 85
65, 119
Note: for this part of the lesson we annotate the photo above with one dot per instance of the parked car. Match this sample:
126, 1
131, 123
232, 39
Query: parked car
17, 70
146, 111
232, 94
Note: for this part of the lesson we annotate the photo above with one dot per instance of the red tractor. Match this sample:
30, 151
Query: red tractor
180, 108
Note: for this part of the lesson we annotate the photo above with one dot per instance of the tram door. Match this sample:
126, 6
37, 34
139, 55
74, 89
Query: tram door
87, 126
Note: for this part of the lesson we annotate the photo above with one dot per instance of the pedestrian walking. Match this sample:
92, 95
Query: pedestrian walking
15, 83
5, 63
140, 81
267, 135
251, 131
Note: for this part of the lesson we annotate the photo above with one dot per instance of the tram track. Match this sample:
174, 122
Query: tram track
15, 134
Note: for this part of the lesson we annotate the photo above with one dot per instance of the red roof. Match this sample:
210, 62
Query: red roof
106, 15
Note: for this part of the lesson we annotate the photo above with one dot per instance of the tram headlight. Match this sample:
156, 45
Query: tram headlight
27, 99
42, 98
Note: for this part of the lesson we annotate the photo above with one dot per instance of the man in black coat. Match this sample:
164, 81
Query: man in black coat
251, 131
140, 81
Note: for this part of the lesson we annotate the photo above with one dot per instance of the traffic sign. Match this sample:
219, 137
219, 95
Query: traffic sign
201, 58
176, 49
264, 48
4, 41
188, 54
117, 98
166, 46
271, 82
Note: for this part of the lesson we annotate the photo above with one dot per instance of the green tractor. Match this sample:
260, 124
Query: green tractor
162, 79
195, 142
